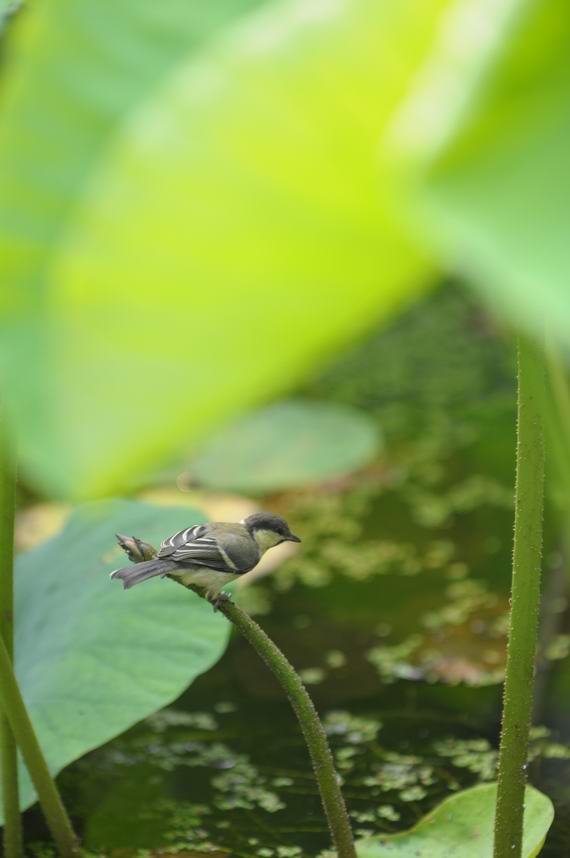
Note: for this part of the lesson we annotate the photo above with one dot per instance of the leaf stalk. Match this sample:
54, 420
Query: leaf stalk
17, 714
12, 836
313, 731
309, 721
525, 603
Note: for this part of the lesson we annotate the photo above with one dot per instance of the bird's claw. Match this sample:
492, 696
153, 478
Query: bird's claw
218, 600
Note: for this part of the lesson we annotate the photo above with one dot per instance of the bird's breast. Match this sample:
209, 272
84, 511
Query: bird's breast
209, 579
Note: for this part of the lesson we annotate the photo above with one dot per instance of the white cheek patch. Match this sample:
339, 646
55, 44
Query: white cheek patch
267, 539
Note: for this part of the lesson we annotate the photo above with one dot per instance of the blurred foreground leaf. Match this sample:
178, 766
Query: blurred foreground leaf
184, 237
72, 77
185, 232
92, 659
463, 825
287, 445
495, 178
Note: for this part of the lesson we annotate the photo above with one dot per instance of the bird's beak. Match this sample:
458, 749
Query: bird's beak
293, 538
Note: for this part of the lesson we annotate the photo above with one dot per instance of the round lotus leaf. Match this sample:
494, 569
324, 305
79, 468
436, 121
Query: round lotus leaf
91, 658
286, 445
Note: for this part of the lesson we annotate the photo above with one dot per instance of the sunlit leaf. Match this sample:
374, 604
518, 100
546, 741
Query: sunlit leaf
495, 190
225, 226
463, 825
93, 659
286, 445
78, 72
39, 521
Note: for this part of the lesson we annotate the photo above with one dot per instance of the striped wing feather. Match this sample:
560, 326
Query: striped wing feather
178, 540
193, 546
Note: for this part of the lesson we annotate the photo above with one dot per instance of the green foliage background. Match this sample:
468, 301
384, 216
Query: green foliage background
198, 205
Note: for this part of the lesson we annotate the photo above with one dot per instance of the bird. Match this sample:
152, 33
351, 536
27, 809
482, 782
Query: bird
206, 557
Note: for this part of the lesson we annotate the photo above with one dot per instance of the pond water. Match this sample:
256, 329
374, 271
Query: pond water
394, 612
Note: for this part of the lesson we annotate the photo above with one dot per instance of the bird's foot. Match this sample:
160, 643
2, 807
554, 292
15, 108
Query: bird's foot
218, 599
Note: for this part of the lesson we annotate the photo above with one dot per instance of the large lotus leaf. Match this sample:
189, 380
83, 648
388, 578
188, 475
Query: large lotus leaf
231, 230
285, 445
495, 194
463, 825
72, 74
91, 658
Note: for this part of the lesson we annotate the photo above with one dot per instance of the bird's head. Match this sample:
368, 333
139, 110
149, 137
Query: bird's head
269, 529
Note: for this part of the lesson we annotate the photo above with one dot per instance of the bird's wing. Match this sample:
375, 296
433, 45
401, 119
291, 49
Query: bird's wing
177, 540
196, 545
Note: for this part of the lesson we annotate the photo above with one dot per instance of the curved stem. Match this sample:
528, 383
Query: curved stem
17, 714
311, 726
525, 602
290, 681
8, 752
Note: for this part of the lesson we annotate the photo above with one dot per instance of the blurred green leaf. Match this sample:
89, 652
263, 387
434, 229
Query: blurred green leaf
73, 74
463, 825
92, 659
287, 445
185, 230
495, 192
178, 252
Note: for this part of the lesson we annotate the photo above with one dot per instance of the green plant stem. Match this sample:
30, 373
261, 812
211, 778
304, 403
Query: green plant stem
313, 731
311, 726
557, 423
16, 712
525, 601
558, 378
12, 837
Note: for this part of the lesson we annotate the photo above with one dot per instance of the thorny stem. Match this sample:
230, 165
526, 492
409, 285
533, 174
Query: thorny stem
309, 721
15, 726
525, 602
12, 838
17, 714
290, 681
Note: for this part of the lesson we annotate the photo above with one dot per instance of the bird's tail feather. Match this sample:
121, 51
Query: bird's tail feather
139, 572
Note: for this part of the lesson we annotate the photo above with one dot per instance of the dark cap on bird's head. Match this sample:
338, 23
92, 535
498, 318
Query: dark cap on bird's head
270, 521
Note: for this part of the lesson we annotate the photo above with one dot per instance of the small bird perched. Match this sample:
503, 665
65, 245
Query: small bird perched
207, 556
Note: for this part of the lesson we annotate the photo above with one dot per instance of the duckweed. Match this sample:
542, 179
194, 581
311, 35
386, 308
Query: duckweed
387, 811
415, 793
335, 659
393, 662
354, 729
312, 675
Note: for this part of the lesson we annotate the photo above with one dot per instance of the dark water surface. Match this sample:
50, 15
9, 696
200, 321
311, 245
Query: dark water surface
394, 611
402, 652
